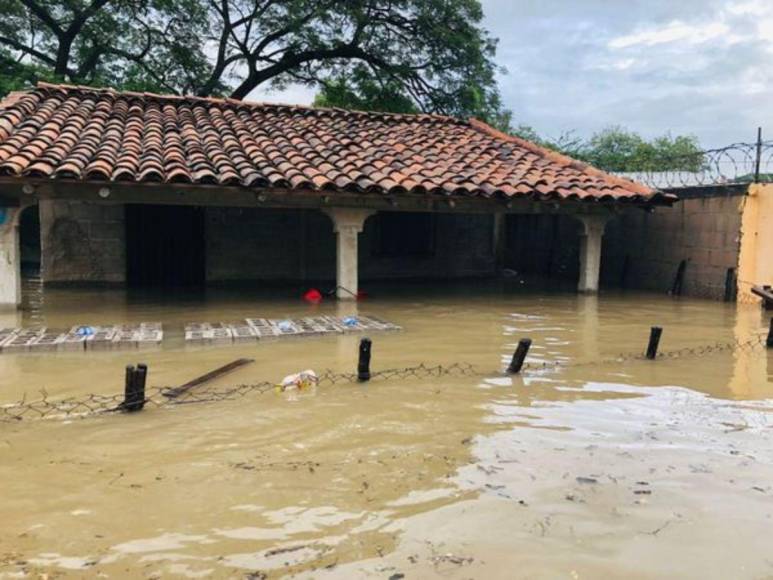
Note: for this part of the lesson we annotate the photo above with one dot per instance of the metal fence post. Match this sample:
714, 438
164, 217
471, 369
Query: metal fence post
758, 156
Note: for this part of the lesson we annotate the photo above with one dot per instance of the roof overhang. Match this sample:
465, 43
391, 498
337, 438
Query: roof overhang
25, 191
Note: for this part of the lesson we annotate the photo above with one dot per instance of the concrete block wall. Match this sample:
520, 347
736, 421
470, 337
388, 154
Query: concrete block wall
82, 242
463, 247
269, 244
705, 231
543, 245
274, 244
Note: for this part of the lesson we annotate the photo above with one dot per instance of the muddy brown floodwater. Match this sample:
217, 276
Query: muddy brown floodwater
625, 468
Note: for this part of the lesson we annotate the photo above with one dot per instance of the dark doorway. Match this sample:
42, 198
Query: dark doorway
29, 239
165, 245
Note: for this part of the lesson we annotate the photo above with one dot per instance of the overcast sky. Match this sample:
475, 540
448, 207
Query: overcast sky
700, 67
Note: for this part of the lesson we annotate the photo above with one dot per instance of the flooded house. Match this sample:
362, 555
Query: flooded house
140, 189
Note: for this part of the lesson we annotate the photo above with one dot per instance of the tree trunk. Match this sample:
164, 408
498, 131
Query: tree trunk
63, 56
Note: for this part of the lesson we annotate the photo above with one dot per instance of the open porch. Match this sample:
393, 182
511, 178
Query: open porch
143, 189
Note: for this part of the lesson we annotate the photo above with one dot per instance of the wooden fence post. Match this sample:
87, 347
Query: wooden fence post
363, 365
519, 356
652, 346
769, 341
134, 388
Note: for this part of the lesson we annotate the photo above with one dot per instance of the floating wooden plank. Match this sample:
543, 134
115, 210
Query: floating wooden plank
326, 325
102, 339
73, 342
286, 327
198, 336
206, 333
766, 293
379, 323
148, 337
6, 332
7, 335
126, 339
354, 326
20, 342
150, 334
221, 335
243, 333
47, 341
263, 328
210, 376
308, 327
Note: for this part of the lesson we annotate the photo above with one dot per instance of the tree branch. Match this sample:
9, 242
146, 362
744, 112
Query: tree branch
16, 45
43, 15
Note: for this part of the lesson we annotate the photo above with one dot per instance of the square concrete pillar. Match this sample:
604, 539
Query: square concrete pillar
347, 224
590, 251
10, 258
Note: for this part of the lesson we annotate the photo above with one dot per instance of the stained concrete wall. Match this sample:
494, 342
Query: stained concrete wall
463, 246
543, 245
87, 243
641, 250
82, 242
704, 230
755, 262
269, 244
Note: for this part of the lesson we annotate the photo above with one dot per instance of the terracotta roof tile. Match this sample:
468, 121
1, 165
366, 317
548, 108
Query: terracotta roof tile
61, 131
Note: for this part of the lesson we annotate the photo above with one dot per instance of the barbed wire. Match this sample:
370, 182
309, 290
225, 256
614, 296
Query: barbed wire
158, 397
734, 164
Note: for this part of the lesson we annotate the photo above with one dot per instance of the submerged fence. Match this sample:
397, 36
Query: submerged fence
135, 397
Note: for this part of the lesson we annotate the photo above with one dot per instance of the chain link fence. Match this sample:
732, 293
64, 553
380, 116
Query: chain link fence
158, 397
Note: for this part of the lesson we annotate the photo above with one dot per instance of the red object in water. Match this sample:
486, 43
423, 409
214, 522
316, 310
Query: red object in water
361, 295
313, 296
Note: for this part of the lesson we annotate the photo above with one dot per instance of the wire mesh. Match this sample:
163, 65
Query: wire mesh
158, 397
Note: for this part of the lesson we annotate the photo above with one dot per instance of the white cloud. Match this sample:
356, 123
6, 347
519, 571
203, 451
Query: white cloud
750, 8
675, 31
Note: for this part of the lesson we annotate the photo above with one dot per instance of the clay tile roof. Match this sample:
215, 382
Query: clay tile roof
82, 133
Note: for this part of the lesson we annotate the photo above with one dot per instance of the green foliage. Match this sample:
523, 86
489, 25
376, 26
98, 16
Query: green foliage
427, 55
16, 75
364, 93
142, 44
616, 149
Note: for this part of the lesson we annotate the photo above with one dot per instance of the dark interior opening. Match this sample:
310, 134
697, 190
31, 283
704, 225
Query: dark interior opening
165, 245
543, 245
29, 240
403, 234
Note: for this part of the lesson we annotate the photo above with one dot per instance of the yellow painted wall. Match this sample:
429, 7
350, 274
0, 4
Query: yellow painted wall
755, 261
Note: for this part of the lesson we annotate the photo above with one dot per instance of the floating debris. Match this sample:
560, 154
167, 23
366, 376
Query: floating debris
81, 337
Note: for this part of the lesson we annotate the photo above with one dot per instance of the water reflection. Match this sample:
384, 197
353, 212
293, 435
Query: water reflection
752, 368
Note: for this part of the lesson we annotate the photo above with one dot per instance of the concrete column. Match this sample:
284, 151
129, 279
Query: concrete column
347, 224
590, 251
10, 258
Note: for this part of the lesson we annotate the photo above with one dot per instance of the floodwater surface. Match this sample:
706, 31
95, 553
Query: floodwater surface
606, 465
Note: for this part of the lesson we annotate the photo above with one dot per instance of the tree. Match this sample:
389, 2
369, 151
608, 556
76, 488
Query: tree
433, 52
360, 91
617, 149
136, 44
